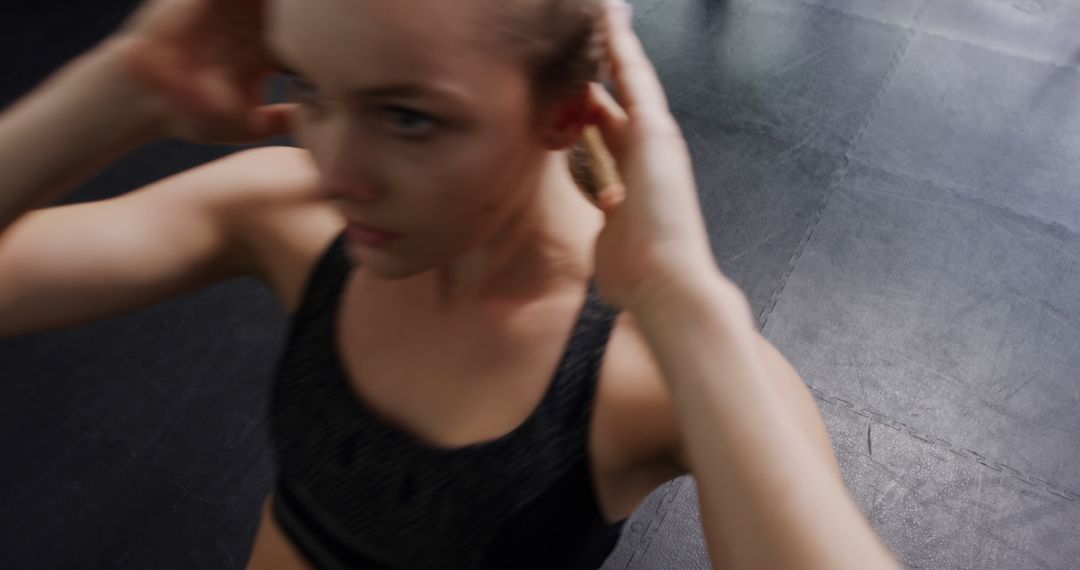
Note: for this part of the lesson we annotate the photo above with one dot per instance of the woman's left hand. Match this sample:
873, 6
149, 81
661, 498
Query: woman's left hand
654, 239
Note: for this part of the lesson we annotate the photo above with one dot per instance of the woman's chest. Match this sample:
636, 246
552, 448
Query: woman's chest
451, 382
456, 383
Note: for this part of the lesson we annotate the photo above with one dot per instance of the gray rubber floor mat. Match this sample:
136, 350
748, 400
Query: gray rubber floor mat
895, 186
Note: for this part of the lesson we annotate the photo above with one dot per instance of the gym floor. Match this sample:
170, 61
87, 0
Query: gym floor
894, 183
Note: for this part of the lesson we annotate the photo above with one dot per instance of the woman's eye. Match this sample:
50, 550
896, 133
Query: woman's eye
409, 123
301, 91
402, 121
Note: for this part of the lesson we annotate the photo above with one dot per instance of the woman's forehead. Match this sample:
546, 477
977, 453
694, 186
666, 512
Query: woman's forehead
410, 27
384, 40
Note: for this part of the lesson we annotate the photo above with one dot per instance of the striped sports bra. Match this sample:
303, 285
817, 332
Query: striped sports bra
352, 491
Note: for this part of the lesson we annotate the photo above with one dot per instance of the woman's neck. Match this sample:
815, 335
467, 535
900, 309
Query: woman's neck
547, 246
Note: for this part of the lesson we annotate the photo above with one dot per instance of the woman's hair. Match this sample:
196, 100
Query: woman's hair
559, 42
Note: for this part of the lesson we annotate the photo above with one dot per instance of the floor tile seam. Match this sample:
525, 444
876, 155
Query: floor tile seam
789, 268
791, 143
890, 74
754, 128
1073, 65
814, 5
838, 175
644, 541
962, 193
834, 178
1046, 487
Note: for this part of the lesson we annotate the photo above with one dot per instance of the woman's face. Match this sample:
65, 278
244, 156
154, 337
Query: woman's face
416, 126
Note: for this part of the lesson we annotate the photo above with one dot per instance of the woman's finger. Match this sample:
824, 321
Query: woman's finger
610, 197
633, 74
609, 118
602, 98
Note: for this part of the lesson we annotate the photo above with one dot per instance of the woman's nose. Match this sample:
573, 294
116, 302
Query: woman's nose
346, 173
349, 191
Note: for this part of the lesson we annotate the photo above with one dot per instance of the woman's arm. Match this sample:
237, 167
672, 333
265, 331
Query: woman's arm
765, 493
81, 118
172, 70
769, 499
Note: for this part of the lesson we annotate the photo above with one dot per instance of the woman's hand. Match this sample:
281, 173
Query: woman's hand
654, 238
203, 63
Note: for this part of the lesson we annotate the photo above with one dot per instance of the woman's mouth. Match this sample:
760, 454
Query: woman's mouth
367, 235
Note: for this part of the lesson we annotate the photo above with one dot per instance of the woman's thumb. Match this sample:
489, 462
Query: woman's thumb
272, 120
610, 198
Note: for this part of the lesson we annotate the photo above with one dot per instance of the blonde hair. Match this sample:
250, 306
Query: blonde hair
560, 44
558, 41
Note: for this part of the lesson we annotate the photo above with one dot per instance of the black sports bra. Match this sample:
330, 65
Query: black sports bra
355, 492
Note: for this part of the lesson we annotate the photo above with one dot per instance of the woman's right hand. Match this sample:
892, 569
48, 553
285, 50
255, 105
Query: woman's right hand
203, 63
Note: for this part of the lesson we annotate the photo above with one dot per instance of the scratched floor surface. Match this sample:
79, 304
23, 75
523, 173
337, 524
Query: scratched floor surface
894, 183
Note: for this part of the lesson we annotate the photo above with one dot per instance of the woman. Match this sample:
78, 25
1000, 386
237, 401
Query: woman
441, 402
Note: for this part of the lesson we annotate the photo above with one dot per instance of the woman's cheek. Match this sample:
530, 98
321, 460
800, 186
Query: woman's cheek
470, 179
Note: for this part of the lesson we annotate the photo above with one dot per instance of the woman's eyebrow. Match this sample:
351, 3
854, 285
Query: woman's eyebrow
404, 90
277, 65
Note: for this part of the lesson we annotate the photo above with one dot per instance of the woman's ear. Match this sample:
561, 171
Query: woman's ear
567, 118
